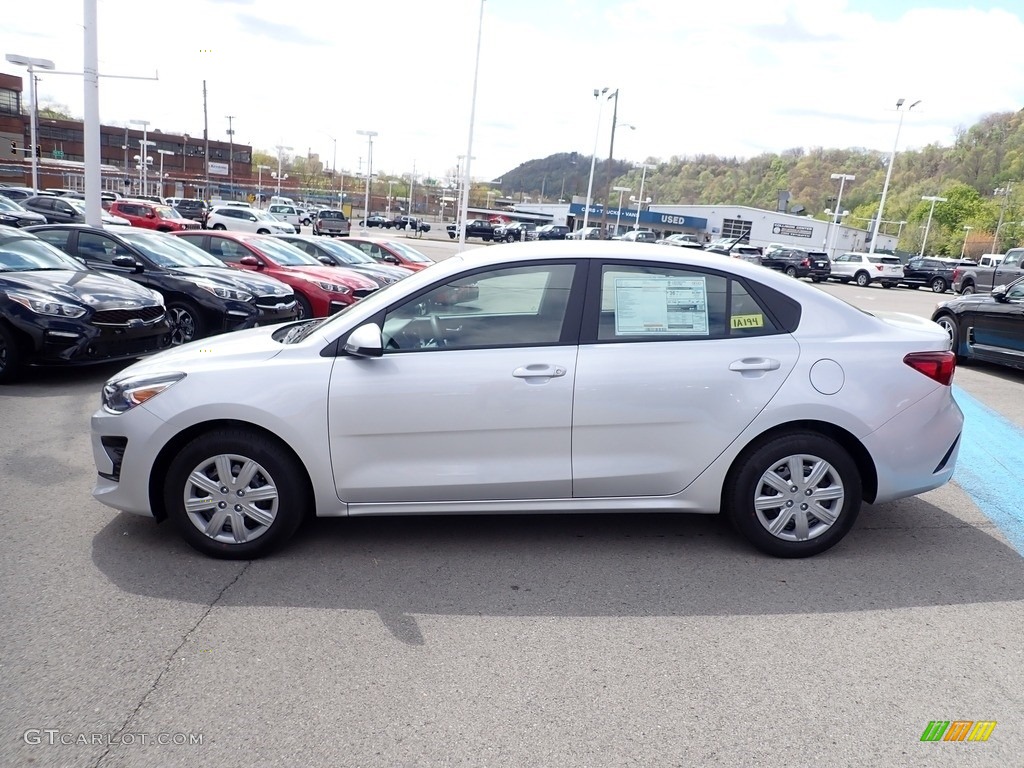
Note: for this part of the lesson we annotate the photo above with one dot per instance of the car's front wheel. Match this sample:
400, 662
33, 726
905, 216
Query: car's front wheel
303, 309
948, 324
863, 280
794, 495
235, 494
186, 322
218, 226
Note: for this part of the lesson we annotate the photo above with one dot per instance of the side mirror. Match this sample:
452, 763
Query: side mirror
365, 341
999, 293
127, 262
252, 218
326, 260
392, 259
251, 261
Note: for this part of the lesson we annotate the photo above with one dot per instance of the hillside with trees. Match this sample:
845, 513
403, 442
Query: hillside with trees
981, 175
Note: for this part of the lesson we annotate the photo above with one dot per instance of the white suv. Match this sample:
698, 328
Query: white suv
867, 268
240, 219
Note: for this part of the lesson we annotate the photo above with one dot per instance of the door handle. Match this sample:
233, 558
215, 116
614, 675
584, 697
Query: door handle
538, 371
755, 364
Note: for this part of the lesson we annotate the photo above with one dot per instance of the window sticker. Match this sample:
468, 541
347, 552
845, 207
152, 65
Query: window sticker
747, 321
661, 306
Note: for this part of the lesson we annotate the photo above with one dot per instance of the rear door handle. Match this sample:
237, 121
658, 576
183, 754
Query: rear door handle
538, 371
755, 364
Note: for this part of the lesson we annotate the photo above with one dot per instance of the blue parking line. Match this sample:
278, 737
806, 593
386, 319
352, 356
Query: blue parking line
990, 467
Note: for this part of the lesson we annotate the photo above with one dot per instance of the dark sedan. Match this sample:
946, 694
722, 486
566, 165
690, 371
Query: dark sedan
986, 327
341, 254
203, 295
932, 272
13, 215
797, 262
54, 310
376, 220
56, 210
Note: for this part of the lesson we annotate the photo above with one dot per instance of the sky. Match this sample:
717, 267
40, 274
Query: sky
734, 80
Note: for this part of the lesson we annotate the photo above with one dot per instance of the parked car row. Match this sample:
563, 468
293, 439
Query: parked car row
401, 221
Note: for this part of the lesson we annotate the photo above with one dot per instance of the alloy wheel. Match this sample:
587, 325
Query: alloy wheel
231, 499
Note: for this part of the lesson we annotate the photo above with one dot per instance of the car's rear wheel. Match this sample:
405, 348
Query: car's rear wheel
815, 279
218, 226
186, 322
967, 290
863, 279
938, 285
304, 310
10, 355
235, 494
794, 495
791, 271
948, 324
262, 231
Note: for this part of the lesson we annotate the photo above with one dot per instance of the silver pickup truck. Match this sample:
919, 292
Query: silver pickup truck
992, 270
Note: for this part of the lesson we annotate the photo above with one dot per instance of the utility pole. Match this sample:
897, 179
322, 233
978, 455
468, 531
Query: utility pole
206, 142
608, 174
231, 155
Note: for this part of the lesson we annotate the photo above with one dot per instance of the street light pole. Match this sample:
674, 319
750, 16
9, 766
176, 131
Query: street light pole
369, 171
967, 232
1005, 192
162, 152
593, 158
32, 65
259, 183
231, 155
608, 170
640, 197
888, 173
280, 148
843, 178
143, 143
618, 212
464, 204
928, 227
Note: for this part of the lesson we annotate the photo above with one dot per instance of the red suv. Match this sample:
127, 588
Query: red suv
143, 213
319, 290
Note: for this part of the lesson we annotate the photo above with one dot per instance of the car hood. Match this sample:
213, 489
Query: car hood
331, 274
972, 300
381, 269
24, 216
229, 350
93, 289
233, 278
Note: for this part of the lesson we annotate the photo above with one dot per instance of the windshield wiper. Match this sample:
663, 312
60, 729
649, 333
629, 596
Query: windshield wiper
301, 331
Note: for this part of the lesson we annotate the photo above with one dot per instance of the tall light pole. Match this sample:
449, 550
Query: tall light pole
32, 65
162, 152
888, 172
231, 154
259, 183
640, 197
391, 183
469, 142
1005, 192
967, 232
143, 143
369, 171
931, 210
608, 171
618, 212
334, 161
843, 178
280, 149
593, 158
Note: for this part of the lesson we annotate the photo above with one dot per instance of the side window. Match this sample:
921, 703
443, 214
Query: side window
227, 250
55, 237
506, 307
44, 204
658, 303
1012, 258
98, 247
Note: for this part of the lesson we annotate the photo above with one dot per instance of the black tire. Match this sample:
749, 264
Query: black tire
967, 290
938, 285
775, 455
304, 310
187, 323
218, 226
791, 271
262, 231
815, 279
10, 355
266, 523
948, 323
451, 235
888, 285
509, 238
863, 279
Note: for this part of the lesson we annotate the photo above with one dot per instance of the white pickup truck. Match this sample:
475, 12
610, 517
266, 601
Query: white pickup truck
287, 212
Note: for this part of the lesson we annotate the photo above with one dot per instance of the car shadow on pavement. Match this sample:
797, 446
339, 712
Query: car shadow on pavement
54, 380
908, 554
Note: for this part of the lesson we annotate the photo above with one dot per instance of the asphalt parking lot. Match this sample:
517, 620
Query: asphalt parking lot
509, 641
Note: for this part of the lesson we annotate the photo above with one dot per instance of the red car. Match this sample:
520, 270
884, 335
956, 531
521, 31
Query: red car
319, 290
391, 252
149, 215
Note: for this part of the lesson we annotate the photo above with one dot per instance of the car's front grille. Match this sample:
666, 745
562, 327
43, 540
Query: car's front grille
189, 224
274, 302
363, 293
124, 317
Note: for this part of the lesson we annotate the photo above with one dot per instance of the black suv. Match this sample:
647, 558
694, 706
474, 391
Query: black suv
797, 262
516, 231
410, 222
551, 232
55, 310
933, 272
197, 210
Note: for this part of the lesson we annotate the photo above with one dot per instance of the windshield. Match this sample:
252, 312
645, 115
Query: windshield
411, 254
168, 251
347, 253
263, 215
6, 204
23, 254
282, 253
166, 212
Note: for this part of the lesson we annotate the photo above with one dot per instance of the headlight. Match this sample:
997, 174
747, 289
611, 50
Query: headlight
44, 305
225, 293
331, 287
123, 395
7, 217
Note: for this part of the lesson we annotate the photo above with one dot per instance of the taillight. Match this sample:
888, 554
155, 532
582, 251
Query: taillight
805, 263
935, 365
956, 274
878, 267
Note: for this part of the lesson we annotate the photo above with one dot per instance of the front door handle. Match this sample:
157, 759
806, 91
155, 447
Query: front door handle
538, 371
755, 364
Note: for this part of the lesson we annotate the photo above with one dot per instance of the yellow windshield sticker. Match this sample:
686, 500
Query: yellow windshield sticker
747, 321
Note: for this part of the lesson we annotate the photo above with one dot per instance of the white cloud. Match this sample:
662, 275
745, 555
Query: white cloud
739, 79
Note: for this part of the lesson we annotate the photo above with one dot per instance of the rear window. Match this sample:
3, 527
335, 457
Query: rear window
884, 260
332, 215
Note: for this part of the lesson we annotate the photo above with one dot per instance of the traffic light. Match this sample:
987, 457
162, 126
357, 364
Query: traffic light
39, 151
14, 147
